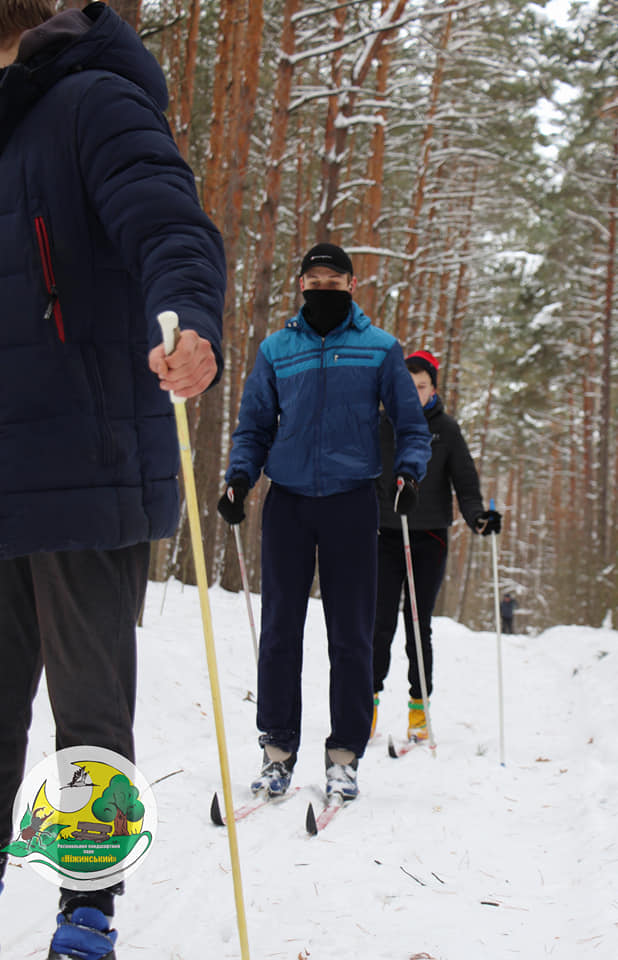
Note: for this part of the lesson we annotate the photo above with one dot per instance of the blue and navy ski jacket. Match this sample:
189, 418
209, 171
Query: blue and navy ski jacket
100, 230
310, 409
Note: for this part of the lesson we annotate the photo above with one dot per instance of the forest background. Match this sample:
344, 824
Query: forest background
465, 154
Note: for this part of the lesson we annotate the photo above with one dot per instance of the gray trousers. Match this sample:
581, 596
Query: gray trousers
73, 613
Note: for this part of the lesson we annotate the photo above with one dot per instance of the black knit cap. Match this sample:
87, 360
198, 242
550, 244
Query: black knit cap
327, 255
423, 360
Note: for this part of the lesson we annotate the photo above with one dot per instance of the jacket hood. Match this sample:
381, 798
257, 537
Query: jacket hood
73, 41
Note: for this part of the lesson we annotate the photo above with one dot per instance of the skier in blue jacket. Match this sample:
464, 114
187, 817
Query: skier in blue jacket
309, 417
100, 230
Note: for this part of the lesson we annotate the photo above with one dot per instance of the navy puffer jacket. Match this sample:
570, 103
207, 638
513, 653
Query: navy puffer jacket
100, 230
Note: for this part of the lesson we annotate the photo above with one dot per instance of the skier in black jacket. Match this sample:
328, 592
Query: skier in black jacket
451, 466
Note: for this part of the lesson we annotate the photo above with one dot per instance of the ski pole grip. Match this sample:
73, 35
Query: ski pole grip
492, 504
168, 321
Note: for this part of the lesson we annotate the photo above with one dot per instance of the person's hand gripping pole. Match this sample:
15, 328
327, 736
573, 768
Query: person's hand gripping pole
168, 321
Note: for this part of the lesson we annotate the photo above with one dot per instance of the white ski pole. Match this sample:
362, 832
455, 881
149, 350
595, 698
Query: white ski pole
245, 584
417, 630
494, 551
168, 321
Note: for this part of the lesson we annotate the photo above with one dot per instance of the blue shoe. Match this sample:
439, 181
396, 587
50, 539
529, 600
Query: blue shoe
275, 776
341, 778
83, 935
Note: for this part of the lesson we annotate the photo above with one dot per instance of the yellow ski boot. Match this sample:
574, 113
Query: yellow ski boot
417, 721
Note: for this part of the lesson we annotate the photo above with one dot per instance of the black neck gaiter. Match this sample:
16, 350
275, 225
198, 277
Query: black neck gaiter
326, 309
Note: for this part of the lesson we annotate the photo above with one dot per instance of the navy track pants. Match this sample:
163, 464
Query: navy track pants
343, 530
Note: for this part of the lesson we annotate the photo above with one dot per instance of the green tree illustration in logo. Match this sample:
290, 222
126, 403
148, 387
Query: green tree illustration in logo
119, 804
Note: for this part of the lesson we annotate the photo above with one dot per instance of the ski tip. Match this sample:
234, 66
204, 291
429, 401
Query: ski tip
392, 750
215, 812
310, 821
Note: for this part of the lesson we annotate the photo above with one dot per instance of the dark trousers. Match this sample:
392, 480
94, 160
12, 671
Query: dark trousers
429, 549
73, 613
343, 530
507, 624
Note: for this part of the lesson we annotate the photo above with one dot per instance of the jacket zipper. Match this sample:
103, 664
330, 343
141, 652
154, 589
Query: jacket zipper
321, 416
53, 304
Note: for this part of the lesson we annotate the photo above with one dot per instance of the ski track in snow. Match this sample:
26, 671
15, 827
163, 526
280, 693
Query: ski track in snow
451, 857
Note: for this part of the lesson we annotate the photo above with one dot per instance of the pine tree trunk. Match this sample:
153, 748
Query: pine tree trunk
242, 100
214, 175
187, 85
403, 305
267, 218
368, 269
606, 370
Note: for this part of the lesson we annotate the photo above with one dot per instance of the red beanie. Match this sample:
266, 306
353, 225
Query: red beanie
423, 360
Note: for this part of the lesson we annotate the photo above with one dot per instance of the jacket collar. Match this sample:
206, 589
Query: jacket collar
356, 318
436, 408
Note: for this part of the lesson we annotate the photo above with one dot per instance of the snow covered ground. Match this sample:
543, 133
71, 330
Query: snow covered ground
449, 856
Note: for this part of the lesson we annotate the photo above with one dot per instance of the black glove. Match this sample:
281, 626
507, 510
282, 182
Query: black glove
230, 505
406, 493
488, 522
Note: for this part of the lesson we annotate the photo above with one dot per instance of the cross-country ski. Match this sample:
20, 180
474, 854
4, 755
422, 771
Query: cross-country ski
314, 824
406, 746
241, 813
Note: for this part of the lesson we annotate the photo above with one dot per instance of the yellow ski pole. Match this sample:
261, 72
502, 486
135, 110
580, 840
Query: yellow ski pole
168, 321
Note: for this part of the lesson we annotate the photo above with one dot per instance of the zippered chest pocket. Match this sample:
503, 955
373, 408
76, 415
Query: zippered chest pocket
54, 309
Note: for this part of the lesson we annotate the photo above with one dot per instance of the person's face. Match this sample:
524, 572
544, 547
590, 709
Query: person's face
323, 278
424, 386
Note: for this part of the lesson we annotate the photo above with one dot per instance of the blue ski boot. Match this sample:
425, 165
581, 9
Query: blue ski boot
83, 935
275, 776
341, 774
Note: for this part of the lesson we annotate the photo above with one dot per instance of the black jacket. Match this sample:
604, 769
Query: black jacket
451, 466
507, 607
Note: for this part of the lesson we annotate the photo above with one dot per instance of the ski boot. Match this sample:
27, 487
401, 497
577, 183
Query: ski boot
341, 774
83, 934
417, 721
276, 773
